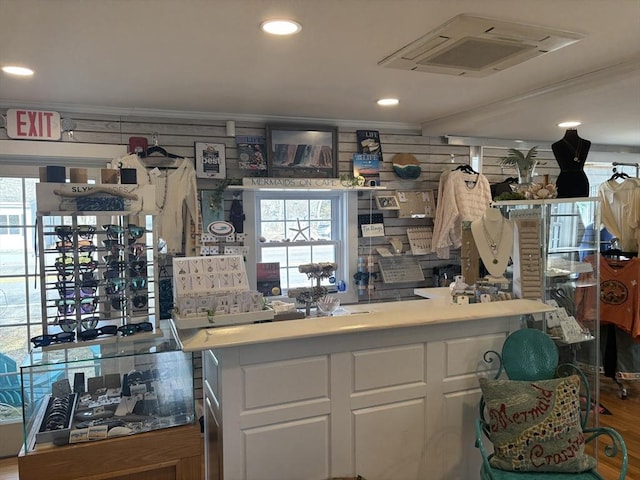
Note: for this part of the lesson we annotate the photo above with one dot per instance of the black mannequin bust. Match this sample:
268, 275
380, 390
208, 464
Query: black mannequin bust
571, 152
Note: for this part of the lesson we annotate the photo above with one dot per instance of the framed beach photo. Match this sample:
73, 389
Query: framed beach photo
210, 160
299, 151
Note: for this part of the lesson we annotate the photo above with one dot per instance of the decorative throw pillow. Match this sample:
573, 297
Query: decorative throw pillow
535, 425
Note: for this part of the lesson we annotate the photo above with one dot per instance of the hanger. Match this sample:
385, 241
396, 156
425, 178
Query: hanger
466, 168
616, 175
155, 148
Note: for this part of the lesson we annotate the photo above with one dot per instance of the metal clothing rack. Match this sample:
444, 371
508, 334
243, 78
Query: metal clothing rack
634, 165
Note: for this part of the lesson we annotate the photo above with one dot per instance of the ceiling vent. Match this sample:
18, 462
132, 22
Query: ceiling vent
477, 47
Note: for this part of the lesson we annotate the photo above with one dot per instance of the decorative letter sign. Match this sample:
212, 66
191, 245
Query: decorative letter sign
24, 124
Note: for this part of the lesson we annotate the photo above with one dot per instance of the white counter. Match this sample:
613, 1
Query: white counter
358, 318
389, 391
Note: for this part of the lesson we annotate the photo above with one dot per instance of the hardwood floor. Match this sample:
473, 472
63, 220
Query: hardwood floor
624, 417
9, 468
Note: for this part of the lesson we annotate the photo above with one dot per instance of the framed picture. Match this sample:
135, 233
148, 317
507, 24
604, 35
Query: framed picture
210, 160
387, 202
297, 151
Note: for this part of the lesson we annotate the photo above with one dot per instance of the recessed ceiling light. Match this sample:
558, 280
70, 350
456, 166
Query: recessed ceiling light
388, 101
568, 124
16, 70
280, 27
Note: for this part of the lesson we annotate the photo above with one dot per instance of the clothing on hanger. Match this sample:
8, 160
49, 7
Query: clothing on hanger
176, 200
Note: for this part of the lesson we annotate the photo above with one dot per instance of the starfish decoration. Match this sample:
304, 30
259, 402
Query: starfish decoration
300, 231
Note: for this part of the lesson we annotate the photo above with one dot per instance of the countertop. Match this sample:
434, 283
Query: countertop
358, 318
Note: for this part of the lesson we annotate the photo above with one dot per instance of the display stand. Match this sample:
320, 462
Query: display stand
97, 249
214, 291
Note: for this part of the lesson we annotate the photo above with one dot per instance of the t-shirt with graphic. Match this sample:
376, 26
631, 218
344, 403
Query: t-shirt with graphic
619, 295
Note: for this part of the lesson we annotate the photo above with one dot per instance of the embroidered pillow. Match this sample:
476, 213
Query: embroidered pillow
535, 425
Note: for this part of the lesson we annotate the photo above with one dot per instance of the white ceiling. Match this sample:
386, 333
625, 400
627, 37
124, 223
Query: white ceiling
208, 57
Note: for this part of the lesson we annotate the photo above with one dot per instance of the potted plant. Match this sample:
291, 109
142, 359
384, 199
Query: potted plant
525, 164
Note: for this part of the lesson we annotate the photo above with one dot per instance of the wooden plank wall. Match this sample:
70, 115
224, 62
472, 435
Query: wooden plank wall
434, 154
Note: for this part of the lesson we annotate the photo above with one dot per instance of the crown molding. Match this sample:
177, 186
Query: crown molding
214, 116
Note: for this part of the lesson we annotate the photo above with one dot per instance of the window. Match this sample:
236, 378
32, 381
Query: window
297, 227
20, 299
9, 223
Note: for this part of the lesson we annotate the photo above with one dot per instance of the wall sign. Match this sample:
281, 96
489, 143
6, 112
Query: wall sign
23, 124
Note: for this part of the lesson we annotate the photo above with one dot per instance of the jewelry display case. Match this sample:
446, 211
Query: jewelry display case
104, 391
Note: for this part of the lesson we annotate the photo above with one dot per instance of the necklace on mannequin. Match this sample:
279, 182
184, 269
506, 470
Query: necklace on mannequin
576, 149
493, 243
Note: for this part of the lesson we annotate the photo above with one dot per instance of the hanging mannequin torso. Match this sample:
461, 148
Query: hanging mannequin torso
493, 235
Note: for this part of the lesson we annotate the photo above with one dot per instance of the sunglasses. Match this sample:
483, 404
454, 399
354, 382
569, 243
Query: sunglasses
133, 328
115, 285
67, 289
66, 232
67, 306
137, 249
139, 301
112, 257
81, 245
67, 268
135, 231
118, 303
112, 244
83, 276
114, 231
137, 266
69, 260
44, 340
138, 283
96, 332
71, 324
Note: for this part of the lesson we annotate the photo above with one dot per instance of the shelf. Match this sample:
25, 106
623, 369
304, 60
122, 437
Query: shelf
268, 183
526, 203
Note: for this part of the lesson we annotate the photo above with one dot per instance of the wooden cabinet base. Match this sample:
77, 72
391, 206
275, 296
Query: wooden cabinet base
169, 454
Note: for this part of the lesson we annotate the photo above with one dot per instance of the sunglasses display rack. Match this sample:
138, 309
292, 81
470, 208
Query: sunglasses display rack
98, 277
213, 291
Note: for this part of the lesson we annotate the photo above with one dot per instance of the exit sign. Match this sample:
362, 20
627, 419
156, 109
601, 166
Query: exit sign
26, 124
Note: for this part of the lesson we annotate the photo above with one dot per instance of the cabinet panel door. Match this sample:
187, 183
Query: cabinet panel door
211, 443
289, 450
390, 440
461, 458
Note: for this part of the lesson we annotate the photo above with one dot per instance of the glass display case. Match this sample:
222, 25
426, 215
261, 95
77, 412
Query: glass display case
556, 259
104, 391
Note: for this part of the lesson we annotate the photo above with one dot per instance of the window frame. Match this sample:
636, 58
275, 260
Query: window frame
344, 233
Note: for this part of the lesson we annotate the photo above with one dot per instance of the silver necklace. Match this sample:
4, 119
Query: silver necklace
494, 244
166, 187
576, 149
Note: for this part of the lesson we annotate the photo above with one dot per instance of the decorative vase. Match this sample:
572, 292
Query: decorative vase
525, 174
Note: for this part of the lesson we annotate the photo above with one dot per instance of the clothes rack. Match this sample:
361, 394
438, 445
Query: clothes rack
634, 165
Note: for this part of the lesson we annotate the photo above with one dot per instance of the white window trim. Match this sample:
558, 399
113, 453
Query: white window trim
348, 256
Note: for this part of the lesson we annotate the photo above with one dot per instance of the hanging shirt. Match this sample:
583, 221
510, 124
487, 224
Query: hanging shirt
620, 211
619, 295
461, 197
176, 200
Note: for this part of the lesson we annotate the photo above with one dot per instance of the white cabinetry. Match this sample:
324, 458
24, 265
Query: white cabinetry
395, 403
